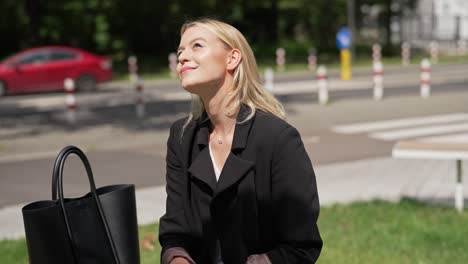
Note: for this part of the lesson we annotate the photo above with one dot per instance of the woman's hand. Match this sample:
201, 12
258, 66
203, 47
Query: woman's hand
179, 260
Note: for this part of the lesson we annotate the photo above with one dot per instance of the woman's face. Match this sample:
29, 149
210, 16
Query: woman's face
202, 60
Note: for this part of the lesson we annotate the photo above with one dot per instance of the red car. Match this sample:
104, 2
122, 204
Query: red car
45, 69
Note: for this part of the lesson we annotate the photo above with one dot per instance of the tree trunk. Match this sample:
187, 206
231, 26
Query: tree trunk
33, 10
388, 24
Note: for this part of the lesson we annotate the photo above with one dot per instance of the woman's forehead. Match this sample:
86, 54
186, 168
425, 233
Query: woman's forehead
195, 32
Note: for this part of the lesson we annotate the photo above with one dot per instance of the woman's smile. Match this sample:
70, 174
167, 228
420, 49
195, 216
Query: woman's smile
185, 69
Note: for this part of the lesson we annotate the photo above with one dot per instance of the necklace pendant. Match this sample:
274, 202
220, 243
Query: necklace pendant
220, 141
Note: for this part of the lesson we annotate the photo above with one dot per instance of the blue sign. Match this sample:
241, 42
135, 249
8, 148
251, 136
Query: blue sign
343, 39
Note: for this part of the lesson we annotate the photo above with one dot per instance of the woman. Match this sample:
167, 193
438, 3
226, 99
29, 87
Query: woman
240, 186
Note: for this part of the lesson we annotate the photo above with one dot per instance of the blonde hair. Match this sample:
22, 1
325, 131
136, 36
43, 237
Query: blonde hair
247, 88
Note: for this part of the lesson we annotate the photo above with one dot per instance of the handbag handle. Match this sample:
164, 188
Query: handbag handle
57, 187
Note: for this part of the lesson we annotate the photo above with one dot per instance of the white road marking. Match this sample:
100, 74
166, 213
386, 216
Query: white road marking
452, 138
429, 154
367, 127
418, 132
28, 156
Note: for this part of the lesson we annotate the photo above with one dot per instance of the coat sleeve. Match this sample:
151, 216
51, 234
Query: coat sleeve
295, 202
173, 227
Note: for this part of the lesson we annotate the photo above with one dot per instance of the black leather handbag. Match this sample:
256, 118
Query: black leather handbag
99, 227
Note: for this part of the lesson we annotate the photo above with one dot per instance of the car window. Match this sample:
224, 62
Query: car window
33, 58
62, 55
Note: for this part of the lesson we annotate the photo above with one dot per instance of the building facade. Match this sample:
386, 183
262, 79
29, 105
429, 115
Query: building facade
439, 20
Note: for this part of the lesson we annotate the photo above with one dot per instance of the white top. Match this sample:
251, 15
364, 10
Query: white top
216, 169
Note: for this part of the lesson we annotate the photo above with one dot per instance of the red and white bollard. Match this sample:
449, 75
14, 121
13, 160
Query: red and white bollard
434, 50
269, 78
280, 58
378, 80
405, 53
139, 102
425, 81
322, 84
173, 64
376, 52
70, 100
138, 84
133, 69
312, 60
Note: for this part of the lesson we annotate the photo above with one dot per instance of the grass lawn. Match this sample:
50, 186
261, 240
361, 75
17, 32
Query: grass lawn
381, 232
367, 232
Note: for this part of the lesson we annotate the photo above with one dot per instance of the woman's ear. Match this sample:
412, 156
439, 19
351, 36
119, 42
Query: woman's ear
234, 59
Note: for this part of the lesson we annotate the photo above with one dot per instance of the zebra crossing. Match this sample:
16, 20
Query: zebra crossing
451, 127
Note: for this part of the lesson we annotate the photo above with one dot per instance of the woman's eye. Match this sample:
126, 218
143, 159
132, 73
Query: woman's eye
196, 45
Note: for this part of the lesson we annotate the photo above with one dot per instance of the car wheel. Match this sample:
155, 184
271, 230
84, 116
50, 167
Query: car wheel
86, 83
3, 89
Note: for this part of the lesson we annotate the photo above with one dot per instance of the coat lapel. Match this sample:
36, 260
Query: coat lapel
234, 171
202, 166
241, 133
235, 167
202, 169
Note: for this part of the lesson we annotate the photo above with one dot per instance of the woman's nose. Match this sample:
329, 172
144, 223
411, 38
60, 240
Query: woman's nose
183, 56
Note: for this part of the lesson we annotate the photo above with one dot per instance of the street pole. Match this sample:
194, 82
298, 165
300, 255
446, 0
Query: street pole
352, 27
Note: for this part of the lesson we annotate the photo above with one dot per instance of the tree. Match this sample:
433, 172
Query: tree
390, 9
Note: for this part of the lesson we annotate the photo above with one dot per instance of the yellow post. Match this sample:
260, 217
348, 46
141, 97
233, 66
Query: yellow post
345, 64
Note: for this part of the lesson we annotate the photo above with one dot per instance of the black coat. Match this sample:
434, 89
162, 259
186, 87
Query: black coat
264, 202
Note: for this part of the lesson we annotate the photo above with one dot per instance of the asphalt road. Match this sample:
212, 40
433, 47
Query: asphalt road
397, 80
28, 179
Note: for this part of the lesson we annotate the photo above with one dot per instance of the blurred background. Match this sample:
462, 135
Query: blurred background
150, 28
378, 90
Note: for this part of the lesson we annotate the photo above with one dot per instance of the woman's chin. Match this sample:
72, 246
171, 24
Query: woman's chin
200, 87
191, 88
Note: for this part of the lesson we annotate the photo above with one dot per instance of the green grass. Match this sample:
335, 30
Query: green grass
13, 252
150, 255
381, 232
367, 232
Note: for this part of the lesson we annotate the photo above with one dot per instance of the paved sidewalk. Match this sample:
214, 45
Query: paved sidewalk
381, 178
